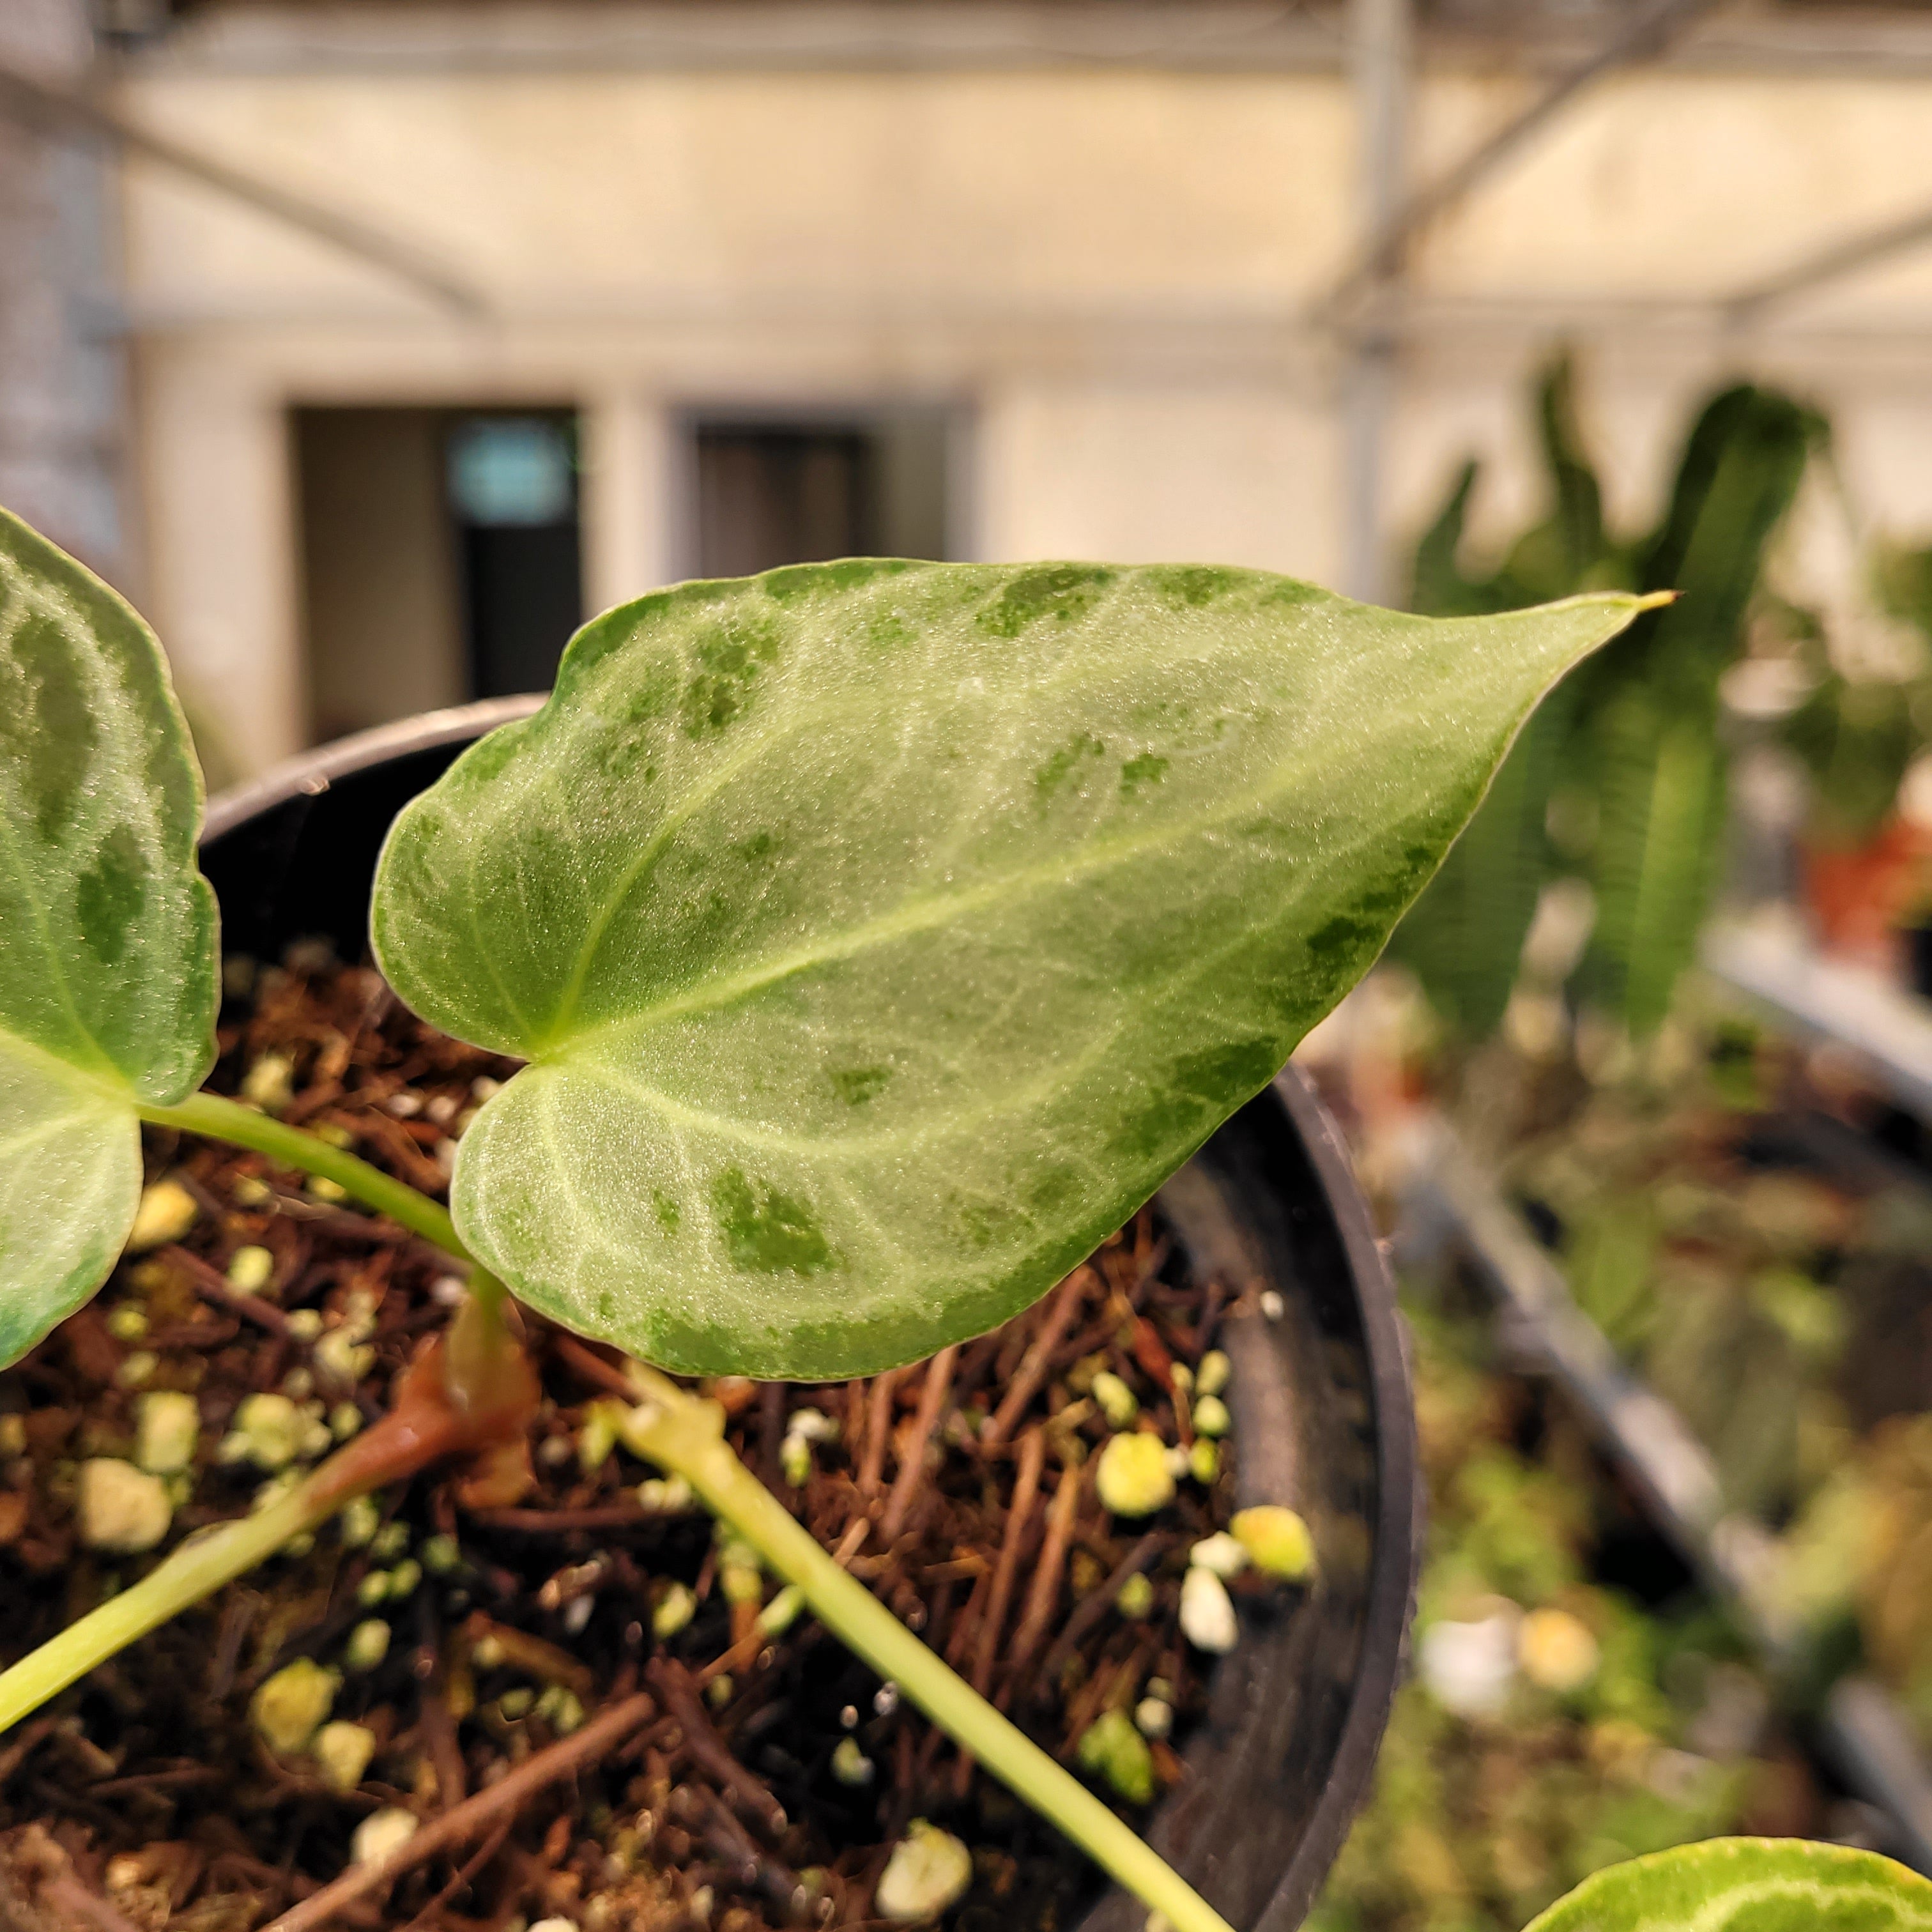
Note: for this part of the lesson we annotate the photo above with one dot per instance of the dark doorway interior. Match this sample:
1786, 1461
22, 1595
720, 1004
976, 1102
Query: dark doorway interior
440, 553
771, 490
512, 491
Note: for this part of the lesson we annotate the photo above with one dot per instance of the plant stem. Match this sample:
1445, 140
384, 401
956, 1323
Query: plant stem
686, 1436
210, 1114
200, 1566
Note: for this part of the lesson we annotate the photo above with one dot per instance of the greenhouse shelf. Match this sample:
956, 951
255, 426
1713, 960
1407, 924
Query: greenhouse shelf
1448, 1200
1889, 1029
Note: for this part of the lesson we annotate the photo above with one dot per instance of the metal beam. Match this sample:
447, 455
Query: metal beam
1829, 264
1647, 32
1382, 37
51, 108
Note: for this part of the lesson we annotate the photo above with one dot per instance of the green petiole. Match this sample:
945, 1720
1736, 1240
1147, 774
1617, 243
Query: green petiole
685, 1436
209, 1115
197, 1570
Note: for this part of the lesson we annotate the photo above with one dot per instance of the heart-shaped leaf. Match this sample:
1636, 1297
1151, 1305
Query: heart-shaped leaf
107, 971
1747, 1885
882, 934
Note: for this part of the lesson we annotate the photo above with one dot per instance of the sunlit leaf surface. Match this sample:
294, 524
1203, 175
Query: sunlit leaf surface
107, 975
882, 934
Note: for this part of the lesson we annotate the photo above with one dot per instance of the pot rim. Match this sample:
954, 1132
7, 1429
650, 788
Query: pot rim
1396, 1565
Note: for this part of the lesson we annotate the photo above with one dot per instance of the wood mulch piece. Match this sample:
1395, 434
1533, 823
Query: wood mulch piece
960, 1491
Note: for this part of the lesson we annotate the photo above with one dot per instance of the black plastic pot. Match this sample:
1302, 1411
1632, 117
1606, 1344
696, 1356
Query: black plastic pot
1320, 1396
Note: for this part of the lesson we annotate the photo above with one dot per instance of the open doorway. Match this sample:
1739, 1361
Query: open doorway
774, 487
440, 552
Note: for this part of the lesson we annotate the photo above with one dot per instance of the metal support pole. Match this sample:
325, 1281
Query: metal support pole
1649, 31
1380, 37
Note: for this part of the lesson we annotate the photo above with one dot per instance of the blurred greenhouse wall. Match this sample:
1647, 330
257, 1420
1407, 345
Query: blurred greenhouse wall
751, 281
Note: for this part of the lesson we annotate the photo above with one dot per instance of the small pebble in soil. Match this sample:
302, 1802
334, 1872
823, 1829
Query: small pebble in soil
928, 1870
343, 1750
1556, 1651
270, 1082
564, 1709
1118, 1402
1277, 1539
674, 1610
1112, 1749
360, 1519
127, 1323
1211, 1417
1221, 1553
1133, 1478
1207, 1612
782, 1612
368, 1644
167, 1212
250, 1269
167, 1428
120, 1509
886, 1699
1153, 1718
1273, 1307
290, 1707
382, 1833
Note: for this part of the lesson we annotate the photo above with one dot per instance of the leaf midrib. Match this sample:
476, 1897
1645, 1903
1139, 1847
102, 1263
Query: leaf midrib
911, 916
119, 1089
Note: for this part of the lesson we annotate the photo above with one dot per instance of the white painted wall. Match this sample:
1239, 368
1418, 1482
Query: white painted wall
1109, 266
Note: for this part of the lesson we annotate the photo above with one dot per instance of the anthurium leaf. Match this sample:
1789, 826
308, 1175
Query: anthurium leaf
881, 933
1747, 1885
107, 969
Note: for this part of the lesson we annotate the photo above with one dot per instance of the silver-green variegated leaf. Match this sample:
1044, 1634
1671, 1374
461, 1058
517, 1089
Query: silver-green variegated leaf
107, 969
1747, 1885
881, 933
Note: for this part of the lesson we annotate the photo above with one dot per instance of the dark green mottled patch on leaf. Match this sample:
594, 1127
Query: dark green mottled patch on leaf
45, 722
758, 846
1193, 1094
766, 1230
856, 1085
112, 894
1290, 590
730, 656
668, 1211
1062, 592
1052, 775
1345, 934
1145, 770
1195, 584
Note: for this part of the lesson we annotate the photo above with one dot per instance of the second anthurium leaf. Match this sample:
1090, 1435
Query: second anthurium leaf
1747, 1885
881, 934
107, 967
